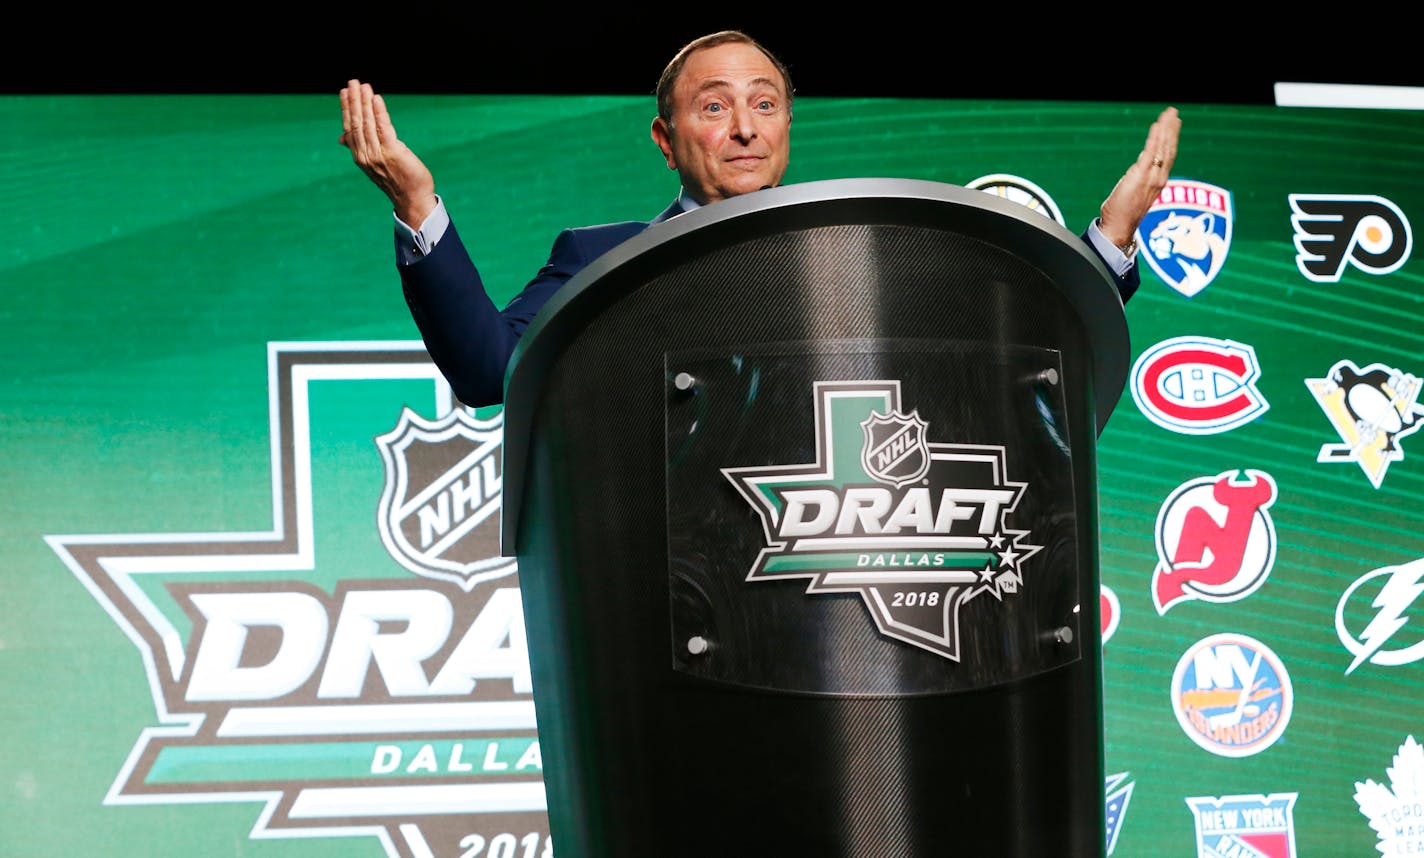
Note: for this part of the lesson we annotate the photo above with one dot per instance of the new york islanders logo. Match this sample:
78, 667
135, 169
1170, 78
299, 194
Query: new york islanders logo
1245, 826
1333, 230
1372, 409
916, 528
1232, 695
1186, 234
1215, 539
1198, 385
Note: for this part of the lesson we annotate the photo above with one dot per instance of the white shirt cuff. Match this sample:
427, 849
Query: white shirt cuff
1119, 262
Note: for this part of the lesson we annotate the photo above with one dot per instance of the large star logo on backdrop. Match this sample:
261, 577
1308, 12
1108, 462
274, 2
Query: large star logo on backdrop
305, 668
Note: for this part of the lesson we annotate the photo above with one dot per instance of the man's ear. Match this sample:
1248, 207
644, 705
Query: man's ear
662, 135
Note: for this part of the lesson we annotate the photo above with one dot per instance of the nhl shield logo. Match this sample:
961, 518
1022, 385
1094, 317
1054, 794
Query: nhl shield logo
440, 510
895, 451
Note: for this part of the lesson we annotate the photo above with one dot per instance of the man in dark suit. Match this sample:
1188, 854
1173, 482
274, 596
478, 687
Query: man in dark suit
723, 123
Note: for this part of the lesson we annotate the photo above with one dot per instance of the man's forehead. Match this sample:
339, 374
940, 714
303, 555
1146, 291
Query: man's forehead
728, 65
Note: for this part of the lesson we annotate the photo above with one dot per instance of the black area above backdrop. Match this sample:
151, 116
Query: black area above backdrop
1113, 57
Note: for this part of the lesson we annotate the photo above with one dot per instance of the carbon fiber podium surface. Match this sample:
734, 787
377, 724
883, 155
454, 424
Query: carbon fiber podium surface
752, 630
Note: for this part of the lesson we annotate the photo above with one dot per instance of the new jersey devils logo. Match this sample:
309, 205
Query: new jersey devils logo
1215, 539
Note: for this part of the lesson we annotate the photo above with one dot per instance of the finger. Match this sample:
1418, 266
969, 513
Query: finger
346, 110
369, 132
385, 131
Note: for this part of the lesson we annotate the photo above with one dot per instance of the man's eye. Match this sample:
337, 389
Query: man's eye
713, 108
766, 105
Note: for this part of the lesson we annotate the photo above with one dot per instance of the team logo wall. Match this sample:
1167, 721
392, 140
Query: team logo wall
1215, 539
1377, 618
1366, 231
1245, 826
439, 512
916, 528
1186, 234
1019, 190
1117, 793
1396, 811
1198, 385
1372, 409
307, 672
1232, 695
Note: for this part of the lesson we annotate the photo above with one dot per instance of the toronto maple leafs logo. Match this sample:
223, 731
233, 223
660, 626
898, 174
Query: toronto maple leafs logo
1393, 810
916, 528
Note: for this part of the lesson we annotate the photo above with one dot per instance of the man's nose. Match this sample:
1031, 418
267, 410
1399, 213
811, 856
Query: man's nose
743, 124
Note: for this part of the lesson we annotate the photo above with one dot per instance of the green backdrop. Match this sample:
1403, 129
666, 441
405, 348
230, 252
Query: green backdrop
203, 337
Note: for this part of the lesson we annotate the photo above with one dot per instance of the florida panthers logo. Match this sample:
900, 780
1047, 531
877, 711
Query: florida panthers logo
1187, 234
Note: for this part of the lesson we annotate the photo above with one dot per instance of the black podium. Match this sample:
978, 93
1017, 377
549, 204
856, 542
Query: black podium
802, 486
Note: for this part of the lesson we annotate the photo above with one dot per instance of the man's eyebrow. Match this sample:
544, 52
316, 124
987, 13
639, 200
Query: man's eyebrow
719, 83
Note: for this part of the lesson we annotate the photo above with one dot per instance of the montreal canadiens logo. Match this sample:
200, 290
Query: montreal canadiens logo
1232, 695
439, 511
1198, 385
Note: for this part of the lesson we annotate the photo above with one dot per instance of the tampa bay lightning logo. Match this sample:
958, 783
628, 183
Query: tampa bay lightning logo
1186, 234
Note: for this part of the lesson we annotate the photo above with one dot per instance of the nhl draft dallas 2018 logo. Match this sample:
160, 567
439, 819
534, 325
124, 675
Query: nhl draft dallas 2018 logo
917, 528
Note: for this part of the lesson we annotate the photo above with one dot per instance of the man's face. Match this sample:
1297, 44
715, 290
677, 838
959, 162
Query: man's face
731, 123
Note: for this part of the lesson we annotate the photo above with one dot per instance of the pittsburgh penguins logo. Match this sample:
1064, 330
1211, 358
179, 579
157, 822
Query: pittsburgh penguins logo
1368, 232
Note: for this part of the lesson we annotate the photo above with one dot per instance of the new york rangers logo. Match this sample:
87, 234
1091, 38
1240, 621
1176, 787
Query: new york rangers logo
1186, 234
895, 451
1198, 385
1245, 826
439, 511
1332, 230
1215, 539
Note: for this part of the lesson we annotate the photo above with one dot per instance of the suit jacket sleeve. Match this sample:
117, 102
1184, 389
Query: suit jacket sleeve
1127, 283
468, 337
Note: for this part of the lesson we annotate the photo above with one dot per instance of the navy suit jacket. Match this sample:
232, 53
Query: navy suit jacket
471, 340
